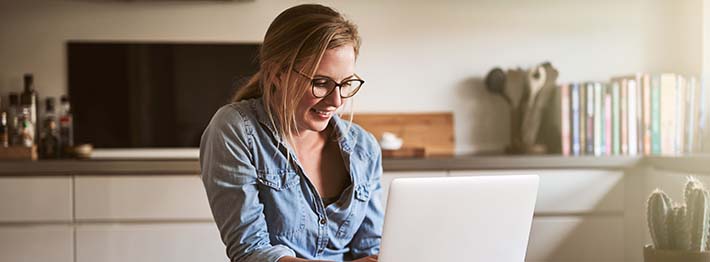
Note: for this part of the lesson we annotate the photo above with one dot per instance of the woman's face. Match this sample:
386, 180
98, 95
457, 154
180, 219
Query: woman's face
314, 113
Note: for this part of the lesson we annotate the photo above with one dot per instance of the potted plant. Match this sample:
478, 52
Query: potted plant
679, 231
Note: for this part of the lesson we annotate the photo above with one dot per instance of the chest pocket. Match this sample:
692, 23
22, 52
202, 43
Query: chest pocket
357, 212
362, 193
283, 179
283, 202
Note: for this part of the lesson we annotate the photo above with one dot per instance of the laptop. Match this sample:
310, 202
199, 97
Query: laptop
480, 218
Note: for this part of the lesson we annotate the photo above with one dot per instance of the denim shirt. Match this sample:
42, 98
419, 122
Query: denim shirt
264, 205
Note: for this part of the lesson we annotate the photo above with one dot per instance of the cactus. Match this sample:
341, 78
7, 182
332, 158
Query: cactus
692, 183
659, 208
697, 218
678, 228
682, 227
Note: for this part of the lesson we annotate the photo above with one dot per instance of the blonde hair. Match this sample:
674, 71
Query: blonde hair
295, 40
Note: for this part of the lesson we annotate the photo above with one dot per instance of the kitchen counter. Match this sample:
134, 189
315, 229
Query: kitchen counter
696, 163
97, 205
191, 166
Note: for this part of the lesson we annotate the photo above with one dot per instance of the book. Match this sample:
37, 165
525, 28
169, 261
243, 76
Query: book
655, 115
615, 116
680, 106
703, 118
667, 113
574, 111
646, 113
598, 120
638, 120
608, 120
695, 118
623, 116
590, 135
582, 118
565, 119
631, 121
692, 115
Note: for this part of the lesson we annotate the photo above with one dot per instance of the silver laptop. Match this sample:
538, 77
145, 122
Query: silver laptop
481, 218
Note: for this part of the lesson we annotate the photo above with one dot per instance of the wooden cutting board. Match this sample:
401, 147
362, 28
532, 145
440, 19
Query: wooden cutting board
18, 153
434, 132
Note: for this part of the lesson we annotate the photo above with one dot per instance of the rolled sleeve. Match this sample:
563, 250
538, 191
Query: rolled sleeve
230, 181
273, 253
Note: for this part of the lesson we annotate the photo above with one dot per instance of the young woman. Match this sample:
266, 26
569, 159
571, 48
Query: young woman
287, 179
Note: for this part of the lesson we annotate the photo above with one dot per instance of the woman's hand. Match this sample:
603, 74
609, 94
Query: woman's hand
295, 259
372, 258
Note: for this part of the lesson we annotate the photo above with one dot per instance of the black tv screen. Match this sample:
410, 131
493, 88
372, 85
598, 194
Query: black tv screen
152, 95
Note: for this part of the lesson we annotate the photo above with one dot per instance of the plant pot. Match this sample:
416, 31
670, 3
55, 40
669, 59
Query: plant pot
652, 255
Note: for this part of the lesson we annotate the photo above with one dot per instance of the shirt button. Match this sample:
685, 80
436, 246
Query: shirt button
323, 221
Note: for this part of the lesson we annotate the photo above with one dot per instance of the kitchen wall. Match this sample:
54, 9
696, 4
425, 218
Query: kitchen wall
417, 55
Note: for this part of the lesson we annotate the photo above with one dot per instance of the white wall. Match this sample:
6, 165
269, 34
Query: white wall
416, 55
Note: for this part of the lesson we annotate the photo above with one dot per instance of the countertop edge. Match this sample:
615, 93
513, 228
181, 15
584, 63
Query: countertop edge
192, 167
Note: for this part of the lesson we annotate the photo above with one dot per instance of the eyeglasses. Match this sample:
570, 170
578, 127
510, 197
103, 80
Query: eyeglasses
323, 86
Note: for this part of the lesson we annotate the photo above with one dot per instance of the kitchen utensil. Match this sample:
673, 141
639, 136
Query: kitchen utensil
495, 83
542, 81
515, 86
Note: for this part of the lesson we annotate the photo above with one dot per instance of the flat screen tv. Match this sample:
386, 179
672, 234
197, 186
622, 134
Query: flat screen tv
152, 95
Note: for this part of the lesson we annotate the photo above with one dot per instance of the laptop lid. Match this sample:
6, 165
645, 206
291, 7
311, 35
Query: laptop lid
480, 218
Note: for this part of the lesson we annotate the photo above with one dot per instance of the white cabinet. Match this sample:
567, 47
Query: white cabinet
36, 199
576, 238
577, 191
174, 242
36, 216
36, 243
579, 214
145, 218
158, 197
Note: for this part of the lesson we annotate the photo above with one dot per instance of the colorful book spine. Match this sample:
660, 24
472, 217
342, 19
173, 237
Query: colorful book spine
668, 115
590, 119
703, 119
598, 120
632, 117
582, 118
646, 115
695, 98
638, 120
679, 143
608, 120
656, 115
565, 119
576, 144
640, 114
700, 119
616, 121
623, 116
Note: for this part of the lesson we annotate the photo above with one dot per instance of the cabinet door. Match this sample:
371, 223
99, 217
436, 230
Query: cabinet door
576, 238
38, 243
24, 199
174, 242
387, 178
576, 192
579, 214
160, 197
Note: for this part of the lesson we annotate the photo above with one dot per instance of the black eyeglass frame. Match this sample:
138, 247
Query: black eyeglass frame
338, 85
